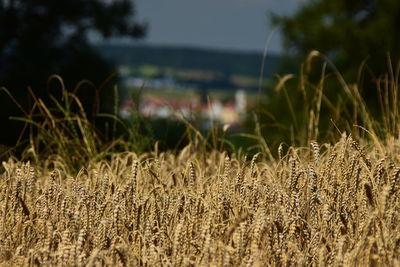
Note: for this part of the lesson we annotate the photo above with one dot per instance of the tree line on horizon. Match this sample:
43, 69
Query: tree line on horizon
39, 38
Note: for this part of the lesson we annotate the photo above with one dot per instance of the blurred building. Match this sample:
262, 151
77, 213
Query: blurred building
215, 111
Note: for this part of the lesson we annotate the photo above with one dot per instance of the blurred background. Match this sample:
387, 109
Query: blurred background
218, 64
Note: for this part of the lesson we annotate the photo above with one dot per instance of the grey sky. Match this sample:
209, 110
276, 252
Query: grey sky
222, 24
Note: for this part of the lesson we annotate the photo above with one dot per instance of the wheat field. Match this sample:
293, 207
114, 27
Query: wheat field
325, 205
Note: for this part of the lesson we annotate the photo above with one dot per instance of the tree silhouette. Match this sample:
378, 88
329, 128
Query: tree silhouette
39, 38
348, 32
357, 36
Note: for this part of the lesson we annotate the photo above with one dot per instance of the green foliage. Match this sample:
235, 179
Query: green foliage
39, 38
348, 32
225, 62
357, 38
303, 108
61, 128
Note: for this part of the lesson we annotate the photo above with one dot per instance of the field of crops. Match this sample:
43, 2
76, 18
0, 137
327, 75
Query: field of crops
327, 204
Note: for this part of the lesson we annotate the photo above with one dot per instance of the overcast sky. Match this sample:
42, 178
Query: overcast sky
222, 24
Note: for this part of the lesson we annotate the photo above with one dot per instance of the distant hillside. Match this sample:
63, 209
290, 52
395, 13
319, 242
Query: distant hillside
227, 62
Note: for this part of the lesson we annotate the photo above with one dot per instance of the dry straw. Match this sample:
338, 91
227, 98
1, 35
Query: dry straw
339, 207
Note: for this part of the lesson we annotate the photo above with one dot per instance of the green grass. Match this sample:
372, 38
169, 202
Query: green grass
78, 197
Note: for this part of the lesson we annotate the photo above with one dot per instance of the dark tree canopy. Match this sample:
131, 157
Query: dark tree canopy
348, 32
357, 36
39, 38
